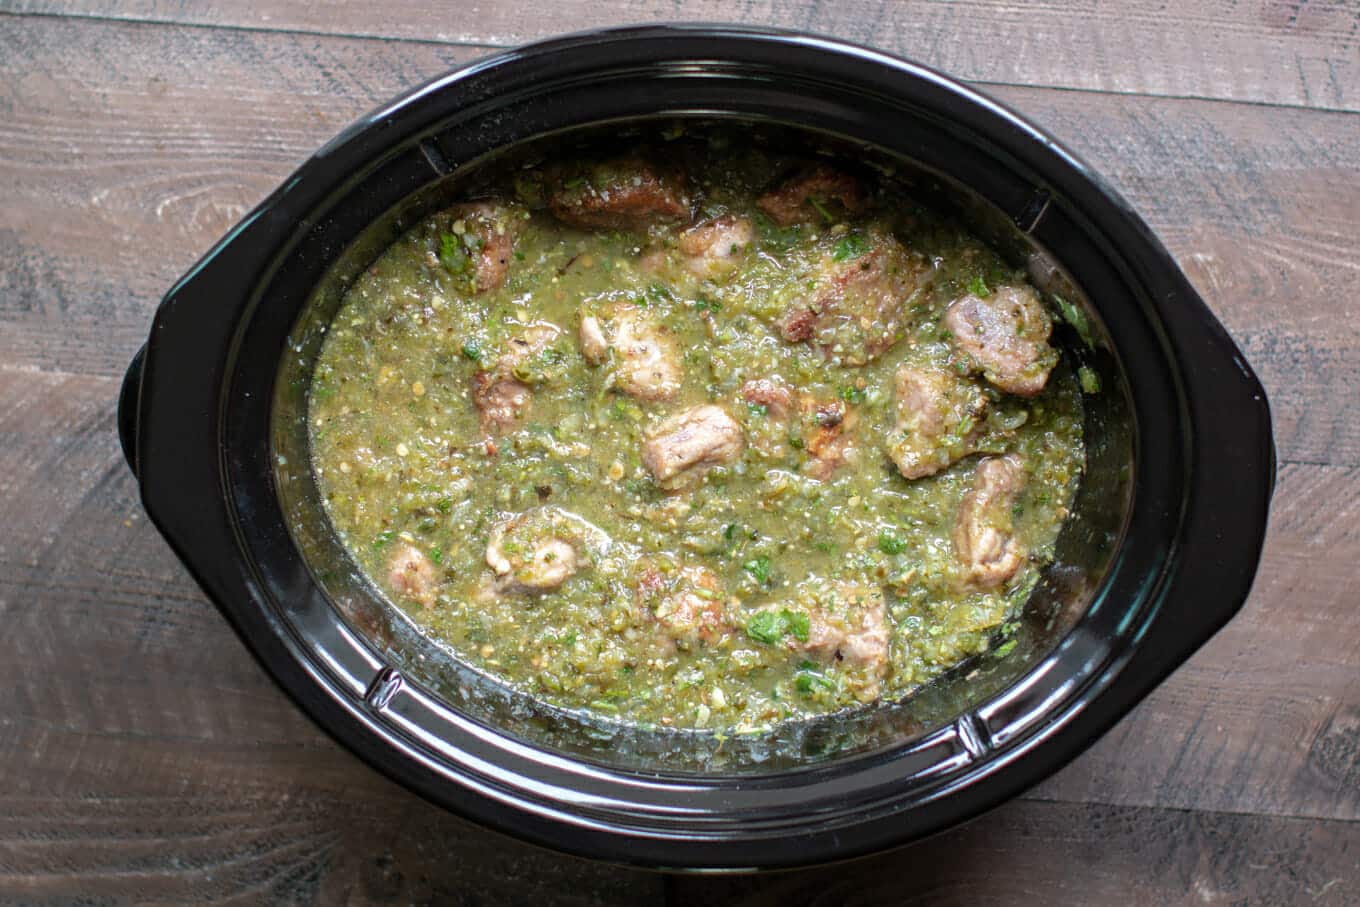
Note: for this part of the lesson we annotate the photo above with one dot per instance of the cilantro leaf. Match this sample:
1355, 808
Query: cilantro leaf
849, 247
890, 544
759, 568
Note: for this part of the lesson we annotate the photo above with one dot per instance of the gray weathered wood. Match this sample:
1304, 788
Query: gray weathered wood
148, 759
1258, 204
1274, 52
1031, 852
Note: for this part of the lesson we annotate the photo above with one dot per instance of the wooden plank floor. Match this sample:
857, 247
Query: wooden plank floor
144, 758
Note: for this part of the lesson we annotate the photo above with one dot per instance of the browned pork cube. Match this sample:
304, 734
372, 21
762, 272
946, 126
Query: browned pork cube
807, 194
938, 420
856, 307
646, 360
685, 447
983, 538
629, 193
1004, 335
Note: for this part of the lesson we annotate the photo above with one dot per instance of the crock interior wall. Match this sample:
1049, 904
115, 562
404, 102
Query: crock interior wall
1084, 548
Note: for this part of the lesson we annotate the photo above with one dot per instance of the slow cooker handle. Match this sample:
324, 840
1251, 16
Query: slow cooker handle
129, 398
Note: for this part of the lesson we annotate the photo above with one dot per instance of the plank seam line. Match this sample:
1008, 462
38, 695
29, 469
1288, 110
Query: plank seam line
492, 47
1030, 797
259, 29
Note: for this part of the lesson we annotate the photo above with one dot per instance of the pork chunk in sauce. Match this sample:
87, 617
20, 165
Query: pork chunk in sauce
537, 551
715, 248
687, 604
629, 193
938, 420
646, 360
849, 623
502, 393
983, 535
684, 448
822, 428
812, 195
856, 305
411, 574
481, 242
1004, 335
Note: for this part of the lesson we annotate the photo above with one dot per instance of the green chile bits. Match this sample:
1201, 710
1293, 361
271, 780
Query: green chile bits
716, 445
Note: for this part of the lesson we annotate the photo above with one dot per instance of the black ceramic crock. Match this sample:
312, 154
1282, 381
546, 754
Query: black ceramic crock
1158, 554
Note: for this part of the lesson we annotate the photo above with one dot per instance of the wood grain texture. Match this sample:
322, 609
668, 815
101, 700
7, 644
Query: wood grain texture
1275, 52
1260, 205
1266, 717
126, 152
1029, 852
148, 759
343, 849
290, 847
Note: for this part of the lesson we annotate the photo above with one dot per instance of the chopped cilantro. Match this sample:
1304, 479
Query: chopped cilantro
849, 247
759, 568
383, 539
472, 350
821, 209
890, 544
978, 287
758, 409
1077, 318
765, 627
770, 626
852, 394
437, 555
809, 681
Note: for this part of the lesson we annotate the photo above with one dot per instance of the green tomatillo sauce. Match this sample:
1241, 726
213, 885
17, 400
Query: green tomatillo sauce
709, 443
